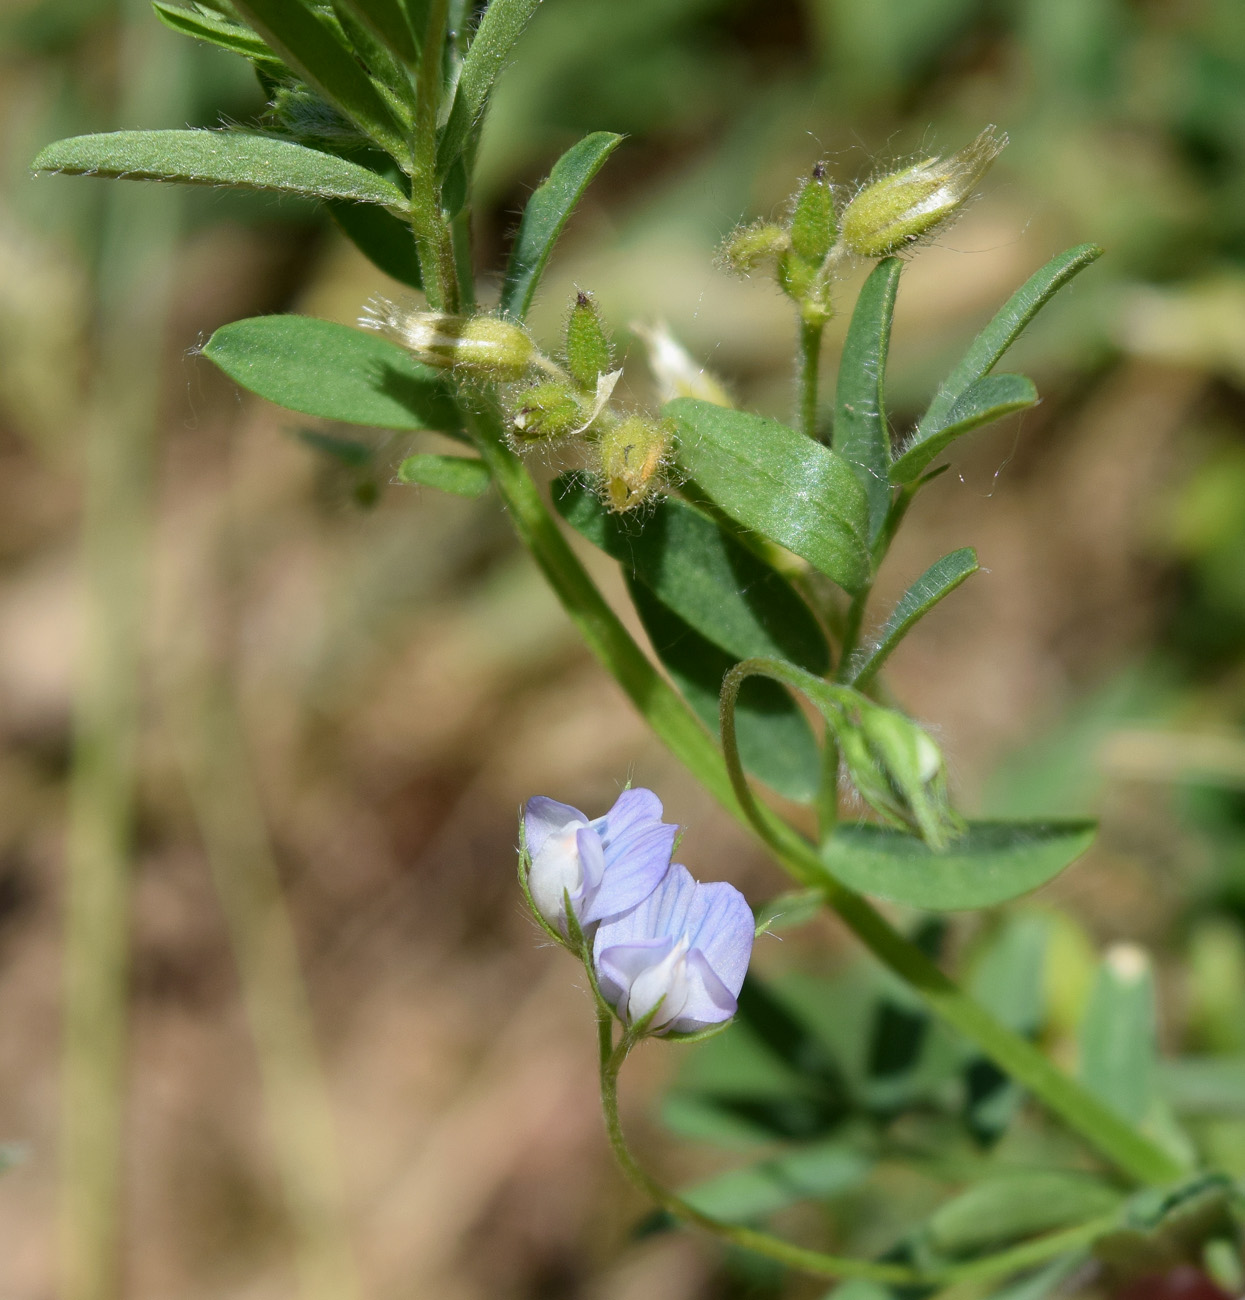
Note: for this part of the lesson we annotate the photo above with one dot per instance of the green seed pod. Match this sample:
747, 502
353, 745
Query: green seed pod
752, 246
588, 352
813, 225
897, 210
633, 455
545, 412
485, 346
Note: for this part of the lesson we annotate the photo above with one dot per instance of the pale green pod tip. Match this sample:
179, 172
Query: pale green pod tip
484, 346
750, 247
894, 212
588, 351
632, 459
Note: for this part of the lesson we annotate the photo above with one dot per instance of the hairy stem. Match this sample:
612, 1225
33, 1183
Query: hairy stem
433, 237
809, 368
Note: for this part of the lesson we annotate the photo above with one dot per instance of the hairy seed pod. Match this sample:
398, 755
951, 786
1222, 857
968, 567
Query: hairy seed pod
484, 346
633, 456
894, 212
750, 247
546, 412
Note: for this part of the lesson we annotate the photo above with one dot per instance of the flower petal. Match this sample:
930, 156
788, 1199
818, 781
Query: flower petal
542, 817
619, 965
631, 877
708, 1001
720, 924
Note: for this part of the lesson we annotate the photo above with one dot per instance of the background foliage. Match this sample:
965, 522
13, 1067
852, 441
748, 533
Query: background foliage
369, 648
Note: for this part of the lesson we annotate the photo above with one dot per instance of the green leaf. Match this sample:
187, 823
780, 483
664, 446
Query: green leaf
815, 1172
861, 434
547, 212
780, 484
309, 45
320, 368
464, 476
204, 25
381, 237
499, 29
1207, 1085
705, 576
1119, 1048
388, 21
775, 741
1012, 1206
240, 158
986, 349
939, 580
989, 864
989, 399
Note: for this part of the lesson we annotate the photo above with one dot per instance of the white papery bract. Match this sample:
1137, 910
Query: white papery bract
605, 865
681, 954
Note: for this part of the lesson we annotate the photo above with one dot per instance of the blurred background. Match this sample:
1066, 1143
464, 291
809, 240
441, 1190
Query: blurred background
350, 1056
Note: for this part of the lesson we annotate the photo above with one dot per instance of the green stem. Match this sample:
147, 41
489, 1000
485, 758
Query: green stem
851, 632
683, 735
809, 369
433, 237
816, 1262
828, 790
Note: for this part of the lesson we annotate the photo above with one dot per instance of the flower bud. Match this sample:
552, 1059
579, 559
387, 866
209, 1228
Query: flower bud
485, 346
752, 246
545, 412
897, 210
588, 352
633, 455
813, 225
899, 772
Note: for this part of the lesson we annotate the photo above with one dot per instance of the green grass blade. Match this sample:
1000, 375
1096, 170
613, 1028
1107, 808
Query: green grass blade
547, 212
238, 158
939, 580
861, 435
986, 349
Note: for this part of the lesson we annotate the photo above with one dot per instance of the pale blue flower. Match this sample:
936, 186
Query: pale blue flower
605, 865
684, 950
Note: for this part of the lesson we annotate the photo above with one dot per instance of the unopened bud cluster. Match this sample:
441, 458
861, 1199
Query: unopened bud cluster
884, 217
547, 402
898, 770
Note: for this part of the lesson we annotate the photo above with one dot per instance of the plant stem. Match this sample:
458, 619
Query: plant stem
809, 364
137, 257
433, 238
683, 735
801, 1258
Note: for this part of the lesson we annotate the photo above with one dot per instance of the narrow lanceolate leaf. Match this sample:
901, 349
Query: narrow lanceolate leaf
861, 435
333, 371
776, 744
989, 864
986, 349
546, 213
499, 29
204, 25
239, 158
307, 44
463, 476
989, 399
939, 580
709, 579
382, 238
388, 21
780, 484
1118, 1038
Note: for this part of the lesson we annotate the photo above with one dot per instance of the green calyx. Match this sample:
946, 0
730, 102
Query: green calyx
633, 455
546, 412
588, 351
